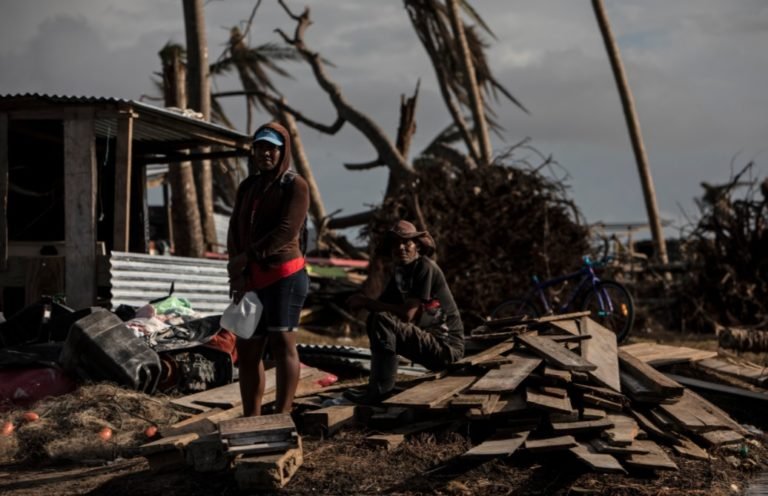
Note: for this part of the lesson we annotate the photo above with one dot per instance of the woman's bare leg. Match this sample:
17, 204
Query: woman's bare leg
250, 353
283, 346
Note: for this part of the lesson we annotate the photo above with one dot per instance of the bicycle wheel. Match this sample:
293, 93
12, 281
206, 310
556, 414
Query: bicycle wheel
514, 308
611, 306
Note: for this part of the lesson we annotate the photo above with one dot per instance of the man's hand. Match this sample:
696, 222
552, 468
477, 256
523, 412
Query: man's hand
357, 301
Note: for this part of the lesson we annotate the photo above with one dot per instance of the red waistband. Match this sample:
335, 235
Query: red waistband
261, 278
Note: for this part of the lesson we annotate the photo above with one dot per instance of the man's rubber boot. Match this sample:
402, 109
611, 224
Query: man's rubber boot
381, 381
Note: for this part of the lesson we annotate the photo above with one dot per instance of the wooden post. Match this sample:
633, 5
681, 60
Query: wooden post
80, 210
123, 163
3, 191
635, 136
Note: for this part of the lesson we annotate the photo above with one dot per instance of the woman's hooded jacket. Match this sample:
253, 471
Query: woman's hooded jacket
269, 233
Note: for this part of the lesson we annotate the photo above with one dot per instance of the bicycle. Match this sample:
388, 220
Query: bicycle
609, 302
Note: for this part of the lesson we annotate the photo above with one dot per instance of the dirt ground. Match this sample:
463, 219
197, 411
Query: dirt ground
428, 463
424, 465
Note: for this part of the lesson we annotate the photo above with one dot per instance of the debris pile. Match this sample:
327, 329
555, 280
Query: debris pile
495, 228
729, 250
553, 384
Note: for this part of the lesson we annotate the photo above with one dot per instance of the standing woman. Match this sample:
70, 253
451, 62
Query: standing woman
265, 256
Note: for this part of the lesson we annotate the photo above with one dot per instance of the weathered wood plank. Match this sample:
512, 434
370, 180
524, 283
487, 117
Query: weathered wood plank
648, 425
167, 444
557, 375
550, 444
601, 350
570, 326
655, 459
598, 462
555, 354
497, 447
659, 354
630, 449
254, 426
123, 164
594, 400
225, 396
328, 420
489, 354
507, 377
429, 394
509, 404
386, 441
689, 449
721, 437
623, 432
649, 376
80, 178
581, 426
697, 414
554, 391
749, 372
638, 391
557, 404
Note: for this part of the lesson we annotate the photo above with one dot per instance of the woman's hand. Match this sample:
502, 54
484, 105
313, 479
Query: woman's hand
237, 265
238, 279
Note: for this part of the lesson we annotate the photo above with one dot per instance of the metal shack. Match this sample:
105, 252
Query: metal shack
73, 187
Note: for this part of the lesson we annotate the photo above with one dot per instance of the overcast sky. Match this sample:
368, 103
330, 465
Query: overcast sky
698, 70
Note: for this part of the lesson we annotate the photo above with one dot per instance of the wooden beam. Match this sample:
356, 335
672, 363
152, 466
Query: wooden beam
123, 164
554, 354
175, 157
601, 350
3, 192
80, 210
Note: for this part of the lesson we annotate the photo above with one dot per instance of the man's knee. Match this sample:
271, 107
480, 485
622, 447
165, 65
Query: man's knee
381, 327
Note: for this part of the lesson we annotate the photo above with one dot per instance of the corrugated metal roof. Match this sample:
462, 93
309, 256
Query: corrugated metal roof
143, 130
137, 279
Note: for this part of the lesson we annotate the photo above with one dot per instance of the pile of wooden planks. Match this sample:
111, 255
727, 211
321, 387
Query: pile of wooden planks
556, 384
263, 452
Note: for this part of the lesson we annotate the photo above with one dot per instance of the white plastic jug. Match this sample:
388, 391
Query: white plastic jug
243, 317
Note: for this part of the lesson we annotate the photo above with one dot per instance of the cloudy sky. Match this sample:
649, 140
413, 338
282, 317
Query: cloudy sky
698, 70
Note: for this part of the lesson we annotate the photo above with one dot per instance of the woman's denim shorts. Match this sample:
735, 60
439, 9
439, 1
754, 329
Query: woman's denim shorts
282, 302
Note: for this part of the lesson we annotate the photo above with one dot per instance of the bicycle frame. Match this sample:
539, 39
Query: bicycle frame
587, 277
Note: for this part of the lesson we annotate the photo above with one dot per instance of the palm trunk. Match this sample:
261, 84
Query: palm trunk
200, 99
187, 238
636, 137
475, 98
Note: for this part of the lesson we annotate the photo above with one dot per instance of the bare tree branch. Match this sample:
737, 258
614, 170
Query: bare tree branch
385, 148
365, 165
328, 129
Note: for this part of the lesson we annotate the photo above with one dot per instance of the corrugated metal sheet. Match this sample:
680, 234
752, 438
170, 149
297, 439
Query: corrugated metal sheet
137, 279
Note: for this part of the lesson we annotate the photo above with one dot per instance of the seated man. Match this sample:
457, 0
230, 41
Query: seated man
415, 317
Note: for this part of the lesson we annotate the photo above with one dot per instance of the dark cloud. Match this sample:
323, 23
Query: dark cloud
693, 65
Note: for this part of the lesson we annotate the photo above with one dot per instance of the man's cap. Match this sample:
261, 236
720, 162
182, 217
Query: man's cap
270, 135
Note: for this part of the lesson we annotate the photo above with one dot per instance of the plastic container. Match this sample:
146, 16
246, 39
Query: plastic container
100, 347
